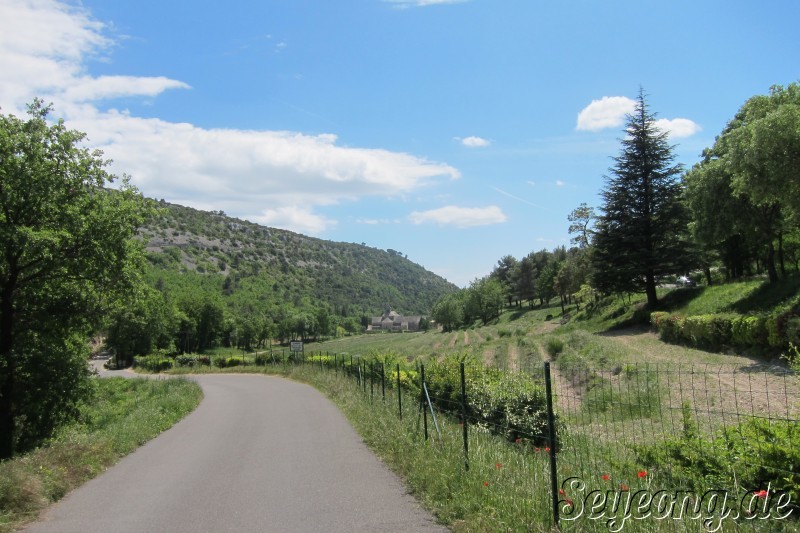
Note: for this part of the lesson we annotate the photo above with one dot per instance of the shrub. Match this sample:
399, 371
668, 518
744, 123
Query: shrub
748, 456
509, 404
707, 331
669, 327
554, 346
153, 363
185, 360
749, 330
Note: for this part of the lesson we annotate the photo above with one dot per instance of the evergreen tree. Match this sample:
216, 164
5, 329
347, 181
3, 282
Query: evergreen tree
640, 235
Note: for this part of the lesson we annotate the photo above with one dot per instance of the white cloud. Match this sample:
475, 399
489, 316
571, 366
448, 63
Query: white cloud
87, 89
474, 142
403, 4
460, 217
374, 221
294, 218
44, 48
608, 112
678, 127
560, 183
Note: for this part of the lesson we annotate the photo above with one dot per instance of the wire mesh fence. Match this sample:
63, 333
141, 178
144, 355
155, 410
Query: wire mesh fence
717, 444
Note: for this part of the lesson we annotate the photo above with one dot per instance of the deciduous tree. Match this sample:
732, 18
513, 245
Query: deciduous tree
66, 252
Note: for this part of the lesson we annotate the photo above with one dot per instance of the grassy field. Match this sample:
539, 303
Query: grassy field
125, 414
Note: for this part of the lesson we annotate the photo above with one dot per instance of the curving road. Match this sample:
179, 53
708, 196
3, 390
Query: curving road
260, 453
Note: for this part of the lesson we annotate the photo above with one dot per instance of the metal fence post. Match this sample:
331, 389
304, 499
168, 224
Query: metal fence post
464, 415
422, 400
551, 436
399, 394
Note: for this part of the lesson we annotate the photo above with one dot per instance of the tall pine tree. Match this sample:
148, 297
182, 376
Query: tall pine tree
641, 234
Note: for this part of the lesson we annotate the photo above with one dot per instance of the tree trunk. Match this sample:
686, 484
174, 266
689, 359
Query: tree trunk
707, 272
7, 377
780, 255
650, 289
771, 271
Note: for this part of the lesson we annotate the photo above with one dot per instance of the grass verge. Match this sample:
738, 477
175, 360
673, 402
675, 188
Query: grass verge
124, 414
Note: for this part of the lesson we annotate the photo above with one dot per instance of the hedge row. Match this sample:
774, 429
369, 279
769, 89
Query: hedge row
721, 330
509, 404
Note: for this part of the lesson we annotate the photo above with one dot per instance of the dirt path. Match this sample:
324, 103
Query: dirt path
453, 339
513, 357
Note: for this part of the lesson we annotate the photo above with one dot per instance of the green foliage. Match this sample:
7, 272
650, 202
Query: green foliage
266, 269
715, 332
641, 234
153, 363
554, 346
66, 254
727, 459
745, 189
512, 405
122, 415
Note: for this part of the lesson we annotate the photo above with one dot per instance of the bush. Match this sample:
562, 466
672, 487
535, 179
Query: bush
153, 363
669, 327
554, 346
185, 360
707, 331
747, 456
749, 330
509, 404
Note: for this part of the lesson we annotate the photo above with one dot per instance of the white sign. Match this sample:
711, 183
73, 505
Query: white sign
296, 346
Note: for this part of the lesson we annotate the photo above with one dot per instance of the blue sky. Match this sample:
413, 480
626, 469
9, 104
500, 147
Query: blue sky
456, 132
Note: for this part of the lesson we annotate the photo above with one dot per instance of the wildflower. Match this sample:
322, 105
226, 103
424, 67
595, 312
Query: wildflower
485, 483
561, 491
606, 477
547, 449
642, 473
569, 501
498, 465
761, 493
623, 487
536, 450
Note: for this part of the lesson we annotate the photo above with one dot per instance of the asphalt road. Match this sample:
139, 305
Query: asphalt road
260, 453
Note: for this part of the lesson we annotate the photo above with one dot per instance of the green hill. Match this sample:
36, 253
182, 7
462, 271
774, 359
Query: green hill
270, 267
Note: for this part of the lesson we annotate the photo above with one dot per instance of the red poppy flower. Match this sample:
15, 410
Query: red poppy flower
642, 473
761, 493
606, 477
561, 491
569, 501
536, 450
498, 465
623, 487
485, 483
547, 449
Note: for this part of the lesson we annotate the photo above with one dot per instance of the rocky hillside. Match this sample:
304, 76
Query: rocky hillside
278, 267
